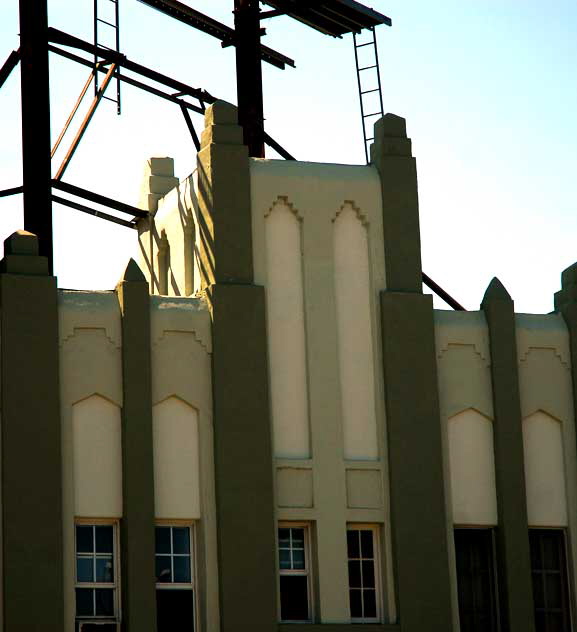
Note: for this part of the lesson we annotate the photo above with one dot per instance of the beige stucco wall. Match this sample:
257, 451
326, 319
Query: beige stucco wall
343, 480
91, 400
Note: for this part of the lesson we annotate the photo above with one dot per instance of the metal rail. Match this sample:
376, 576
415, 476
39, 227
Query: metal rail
91, 211
440, 292
9, 66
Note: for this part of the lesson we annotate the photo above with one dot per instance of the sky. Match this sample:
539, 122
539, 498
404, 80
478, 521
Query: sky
488, 88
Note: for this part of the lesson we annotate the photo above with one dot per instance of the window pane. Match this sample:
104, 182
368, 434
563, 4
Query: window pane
182, 569
538, 592
356, 602
84, 569
284, 538
298, 559
370, 603
163, 540
354, 574
298, 538
84, 542
368, 574
353, 543
174, 610
104, 602
367, 543
84, 602
284, 558
475, 578
104, 539
294, 598
163, 572
181, 540
550, 561
104, 570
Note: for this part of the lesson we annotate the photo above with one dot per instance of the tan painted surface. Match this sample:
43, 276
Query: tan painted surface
544, 471
97, 432
286, 333
472, 465
317, 193
294, 487
364, 489
181, 371
176, 460
90, 364
353, 301
545, 387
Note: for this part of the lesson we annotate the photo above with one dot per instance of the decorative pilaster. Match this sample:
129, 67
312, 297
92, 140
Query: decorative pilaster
417, 493
242, 426
32, 571
514, 563
137, 529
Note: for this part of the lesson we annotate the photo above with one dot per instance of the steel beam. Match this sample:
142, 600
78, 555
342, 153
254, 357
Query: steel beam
9, 66
94, 212
35, 91
249, 75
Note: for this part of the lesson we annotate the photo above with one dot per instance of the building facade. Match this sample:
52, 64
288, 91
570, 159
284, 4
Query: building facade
267, 424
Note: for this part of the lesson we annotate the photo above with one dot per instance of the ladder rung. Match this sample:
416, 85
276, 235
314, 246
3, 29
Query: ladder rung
368, 139
365, 44
373, 114
107, 48
109, 99
108, 23
367, 67
368, 91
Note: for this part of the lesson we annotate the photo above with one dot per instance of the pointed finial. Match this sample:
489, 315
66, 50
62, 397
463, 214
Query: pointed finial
496, 292
133, 273
390, 138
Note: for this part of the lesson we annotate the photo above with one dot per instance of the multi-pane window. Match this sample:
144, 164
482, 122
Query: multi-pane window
96, 574
475, 553
550, 586
362, 548
175, 594
294, 569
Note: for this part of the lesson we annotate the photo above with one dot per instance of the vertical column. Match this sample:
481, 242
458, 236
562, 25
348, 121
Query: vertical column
35, 89
417, 495
242, 433
249, 74
32, 571
137, 528
514, 562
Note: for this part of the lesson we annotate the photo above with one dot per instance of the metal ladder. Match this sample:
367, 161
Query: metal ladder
371, 77
115, 26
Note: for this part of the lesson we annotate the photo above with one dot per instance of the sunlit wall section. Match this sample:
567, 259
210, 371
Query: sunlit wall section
97, 450
544, 471
286, 331
176, 460
472, 465
353, 303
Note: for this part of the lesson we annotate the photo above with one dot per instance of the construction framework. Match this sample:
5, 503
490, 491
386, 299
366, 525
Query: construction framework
37, 40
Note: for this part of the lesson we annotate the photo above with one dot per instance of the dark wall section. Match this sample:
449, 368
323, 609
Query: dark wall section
242, 426
137, 528
514, 564
417, 493
32, 575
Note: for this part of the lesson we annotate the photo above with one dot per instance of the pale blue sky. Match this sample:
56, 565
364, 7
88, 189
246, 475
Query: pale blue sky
488, 88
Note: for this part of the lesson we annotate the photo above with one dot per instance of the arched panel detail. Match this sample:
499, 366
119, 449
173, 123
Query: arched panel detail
176, 459
544, 471
282, 202
354, 330
472, 466
97, 457
349, 205
286, 331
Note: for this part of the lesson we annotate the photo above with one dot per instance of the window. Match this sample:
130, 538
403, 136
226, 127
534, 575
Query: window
294, 570
475, 552
96, 575
362, 549
550, 586
175, 594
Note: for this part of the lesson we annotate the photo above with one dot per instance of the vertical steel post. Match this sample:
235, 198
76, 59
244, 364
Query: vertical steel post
36, 123
249, 75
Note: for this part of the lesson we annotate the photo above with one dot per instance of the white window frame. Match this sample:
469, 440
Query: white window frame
100, 522
307, 571
376, 530
193, 584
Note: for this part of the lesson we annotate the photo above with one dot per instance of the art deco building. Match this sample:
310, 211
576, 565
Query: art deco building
267, 427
